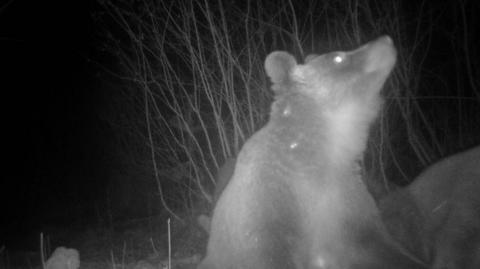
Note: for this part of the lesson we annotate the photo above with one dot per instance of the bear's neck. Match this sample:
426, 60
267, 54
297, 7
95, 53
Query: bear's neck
346, 131
337, 137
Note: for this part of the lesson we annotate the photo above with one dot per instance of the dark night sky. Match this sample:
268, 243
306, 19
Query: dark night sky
50, 105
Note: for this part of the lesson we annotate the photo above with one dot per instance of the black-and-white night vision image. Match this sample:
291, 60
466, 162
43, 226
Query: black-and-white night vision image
185, 134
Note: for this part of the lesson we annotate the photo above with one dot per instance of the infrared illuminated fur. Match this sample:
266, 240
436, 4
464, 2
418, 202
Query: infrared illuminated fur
438, 216
296, 198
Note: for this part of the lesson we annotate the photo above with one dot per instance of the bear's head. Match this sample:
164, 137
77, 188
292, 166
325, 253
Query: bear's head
343, 89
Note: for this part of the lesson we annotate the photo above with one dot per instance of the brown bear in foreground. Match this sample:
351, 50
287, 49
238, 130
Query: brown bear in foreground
296, 199
437, 217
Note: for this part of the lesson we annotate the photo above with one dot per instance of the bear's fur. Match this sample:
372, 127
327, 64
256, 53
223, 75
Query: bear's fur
223, 176
296, 199
438, 215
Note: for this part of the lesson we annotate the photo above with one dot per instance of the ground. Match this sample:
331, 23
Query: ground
131, 244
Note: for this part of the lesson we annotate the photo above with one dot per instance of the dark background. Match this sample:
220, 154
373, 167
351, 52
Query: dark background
51, 102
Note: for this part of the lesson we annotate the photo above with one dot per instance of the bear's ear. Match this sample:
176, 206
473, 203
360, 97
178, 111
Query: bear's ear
278, 65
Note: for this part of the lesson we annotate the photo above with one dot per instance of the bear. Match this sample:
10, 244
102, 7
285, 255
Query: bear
222, 178
437, 216
296, 198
